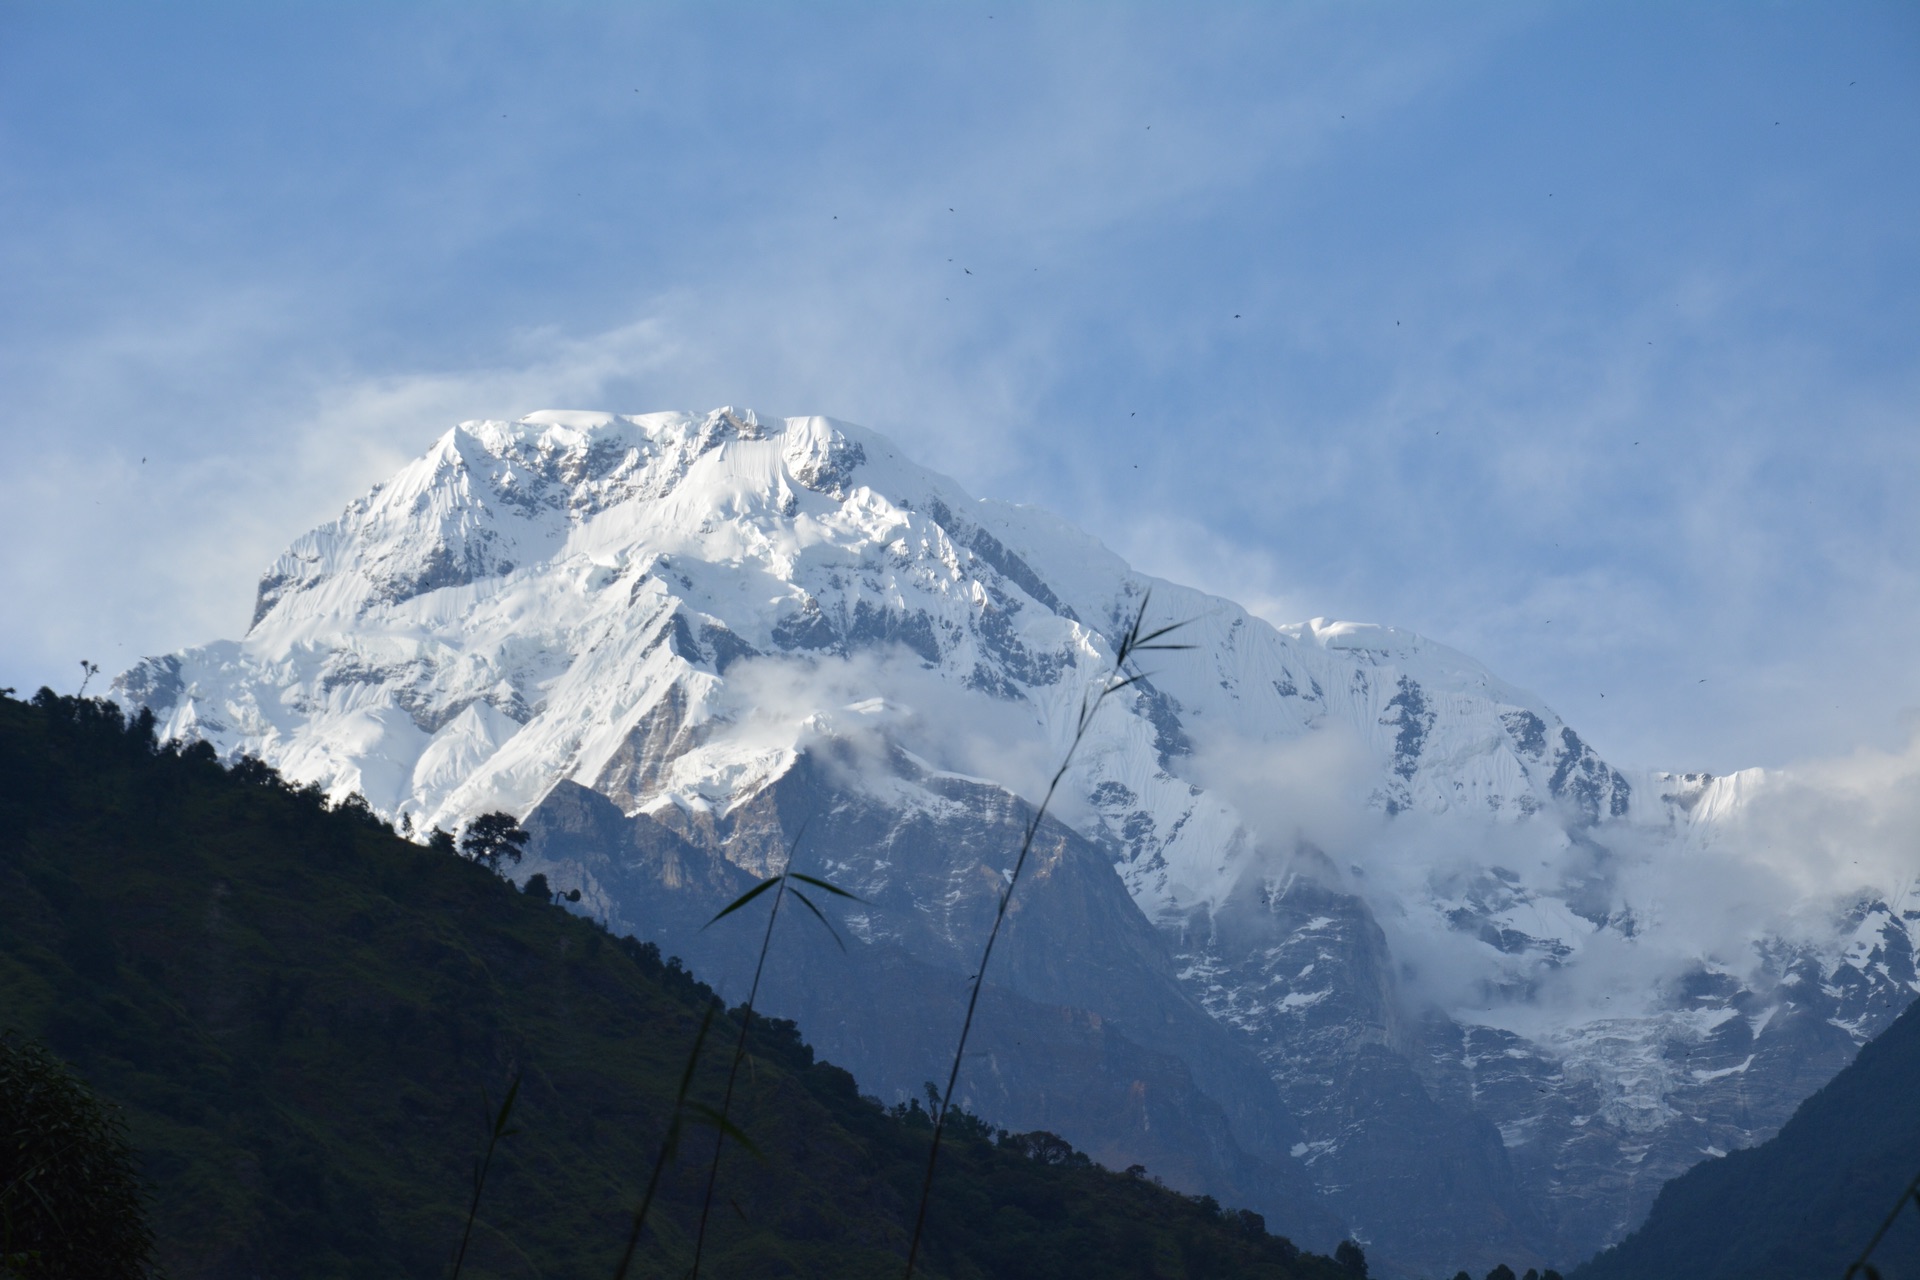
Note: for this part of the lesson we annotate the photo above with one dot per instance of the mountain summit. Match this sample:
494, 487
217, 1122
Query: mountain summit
1332, 921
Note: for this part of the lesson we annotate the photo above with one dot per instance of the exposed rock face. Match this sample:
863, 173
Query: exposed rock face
1083, 1029
1329, 921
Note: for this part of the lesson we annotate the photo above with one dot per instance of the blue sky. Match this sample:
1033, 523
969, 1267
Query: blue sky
1580, 336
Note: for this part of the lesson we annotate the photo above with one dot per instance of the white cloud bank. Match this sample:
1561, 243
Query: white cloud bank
1766, 858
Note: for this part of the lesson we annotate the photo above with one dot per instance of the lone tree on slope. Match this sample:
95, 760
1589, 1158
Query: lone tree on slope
493, 839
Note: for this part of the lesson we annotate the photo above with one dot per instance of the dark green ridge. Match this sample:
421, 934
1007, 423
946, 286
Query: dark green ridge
299, 1012
1803, 1204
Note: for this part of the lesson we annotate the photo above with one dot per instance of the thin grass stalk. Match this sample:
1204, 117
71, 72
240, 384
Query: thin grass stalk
485, 1165
668, 1144
740, 1051
1860, 1265
1114, 679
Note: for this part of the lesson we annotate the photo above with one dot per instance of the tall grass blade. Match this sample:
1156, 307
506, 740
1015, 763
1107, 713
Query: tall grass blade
1135, 640
670, 1144
722, 1123
483, 1166
1860, 1265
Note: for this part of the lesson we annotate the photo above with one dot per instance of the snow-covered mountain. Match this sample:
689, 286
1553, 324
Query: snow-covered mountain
1333, 921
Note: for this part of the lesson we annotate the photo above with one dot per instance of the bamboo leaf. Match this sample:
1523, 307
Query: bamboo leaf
807, 902
713, 1119
743, 900
1142, 641
822, 884
500, 1129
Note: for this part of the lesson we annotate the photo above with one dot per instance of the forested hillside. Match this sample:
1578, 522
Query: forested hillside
303, 1015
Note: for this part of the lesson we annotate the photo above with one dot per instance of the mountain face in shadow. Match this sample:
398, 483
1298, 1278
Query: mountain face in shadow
1806, 1201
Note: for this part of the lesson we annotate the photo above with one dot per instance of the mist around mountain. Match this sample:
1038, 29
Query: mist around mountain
302, 1015
1329, 920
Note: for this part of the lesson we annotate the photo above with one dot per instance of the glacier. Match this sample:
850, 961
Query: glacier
1348, 926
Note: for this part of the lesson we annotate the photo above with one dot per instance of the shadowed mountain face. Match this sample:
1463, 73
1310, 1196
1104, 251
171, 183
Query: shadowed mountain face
1083, 1029
1328, 912
1808, 1200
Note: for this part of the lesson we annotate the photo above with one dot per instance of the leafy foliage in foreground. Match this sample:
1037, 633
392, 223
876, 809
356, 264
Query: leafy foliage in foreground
300, 1011
70, 1201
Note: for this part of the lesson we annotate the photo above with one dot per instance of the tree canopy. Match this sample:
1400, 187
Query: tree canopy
70, 1201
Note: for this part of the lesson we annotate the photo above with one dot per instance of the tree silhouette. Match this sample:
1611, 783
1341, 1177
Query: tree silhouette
492, 839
